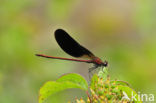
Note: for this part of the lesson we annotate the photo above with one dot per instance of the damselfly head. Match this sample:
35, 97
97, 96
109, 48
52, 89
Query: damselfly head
105, 64
97, 61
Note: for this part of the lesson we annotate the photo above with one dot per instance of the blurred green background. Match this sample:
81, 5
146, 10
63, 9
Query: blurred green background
123, 32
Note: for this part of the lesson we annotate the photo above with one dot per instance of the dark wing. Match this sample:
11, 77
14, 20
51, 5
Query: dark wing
70, 46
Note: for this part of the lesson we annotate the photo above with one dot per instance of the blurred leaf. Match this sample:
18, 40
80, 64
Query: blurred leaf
94, 81
65, 82
127, 91
74, 78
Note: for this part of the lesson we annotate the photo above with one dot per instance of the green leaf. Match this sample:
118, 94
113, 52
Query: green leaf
65, 82
74, 78
94, 81
130, 92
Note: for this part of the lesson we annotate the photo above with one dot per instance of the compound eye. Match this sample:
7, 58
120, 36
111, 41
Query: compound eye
105, 63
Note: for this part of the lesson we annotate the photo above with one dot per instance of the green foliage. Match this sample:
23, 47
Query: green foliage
101, 89
107, 91
75, 79
65, 82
